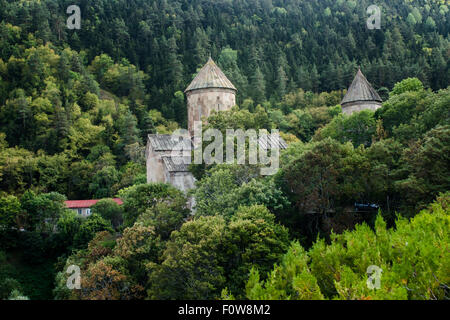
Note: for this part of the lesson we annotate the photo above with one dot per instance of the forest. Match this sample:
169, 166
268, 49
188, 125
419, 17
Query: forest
76, 107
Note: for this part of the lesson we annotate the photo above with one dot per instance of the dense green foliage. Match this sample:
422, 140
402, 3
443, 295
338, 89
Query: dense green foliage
414, 259
278, 44
76, 107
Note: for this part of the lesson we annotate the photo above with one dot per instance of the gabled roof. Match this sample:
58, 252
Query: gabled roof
177, 163
166, 142
210, 76
78, 204
361, 90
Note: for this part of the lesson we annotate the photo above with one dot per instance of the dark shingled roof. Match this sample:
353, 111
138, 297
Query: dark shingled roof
361, 90
210, 76
165, 142
177, 164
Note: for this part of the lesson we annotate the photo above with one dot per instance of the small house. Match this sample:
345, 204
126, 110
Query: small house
83, 207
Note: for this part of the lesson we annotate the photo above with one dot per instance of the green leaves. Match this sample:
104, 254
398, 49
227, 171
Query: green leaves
208, 253
9, 210
215, 194
226, 187
413, 257
427, 162
89, 228
192, 265
109, 210
254, 239
316, 179
42, 211
359, 128
291, 279
142, 197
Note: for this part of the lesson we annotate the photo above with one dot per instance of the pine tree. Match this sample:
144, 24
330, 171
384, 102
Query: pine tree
174, 67
202, 47
258, 86
304, 80
281, 82
314, 78
228, 62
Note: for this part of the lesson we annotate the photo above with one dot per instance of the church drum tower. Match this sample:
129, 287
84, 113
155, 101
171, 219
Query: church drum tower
360, 96
209, 91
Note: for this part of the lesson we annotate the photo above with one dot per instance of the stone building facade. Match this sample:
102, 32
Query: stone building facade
168, 161
209, 91
167, 158
360, 96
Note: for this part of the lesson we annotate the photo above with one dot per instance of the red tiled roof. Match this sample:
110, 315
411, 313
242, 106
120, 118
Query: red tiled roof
74, 204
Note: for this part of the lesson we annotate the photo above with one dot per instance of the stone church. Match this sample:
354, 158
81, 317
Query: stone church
360, 96
167, 158
209, 91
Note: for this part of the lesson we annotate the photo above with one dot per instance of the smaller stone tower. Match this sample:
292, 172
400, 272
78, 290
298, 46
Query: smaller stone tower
209, 91
360, 96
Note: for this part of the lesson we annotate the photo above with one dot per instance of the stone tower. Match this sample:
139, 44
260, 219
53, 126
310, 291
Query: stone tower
360, 96
209, 91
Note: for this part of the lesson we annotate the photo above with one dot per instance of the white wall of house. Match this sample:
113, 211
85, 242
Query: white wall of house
82, 212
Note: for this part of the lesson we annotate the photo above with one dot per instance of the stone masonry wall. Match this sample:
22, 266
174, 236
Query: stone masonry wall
202, 102
349, 109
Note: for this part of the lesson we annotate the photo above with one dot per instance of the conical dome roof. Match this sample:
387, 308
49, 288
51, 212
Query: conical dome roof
210, 76
361, 90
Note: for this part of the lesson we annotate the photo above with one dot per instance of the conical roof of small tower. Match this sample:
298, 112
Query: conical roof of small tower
210, 76
361, 90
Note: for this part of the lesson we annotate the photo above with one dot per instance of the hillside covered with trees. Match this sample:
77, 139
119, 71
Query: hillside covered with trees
76, 107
